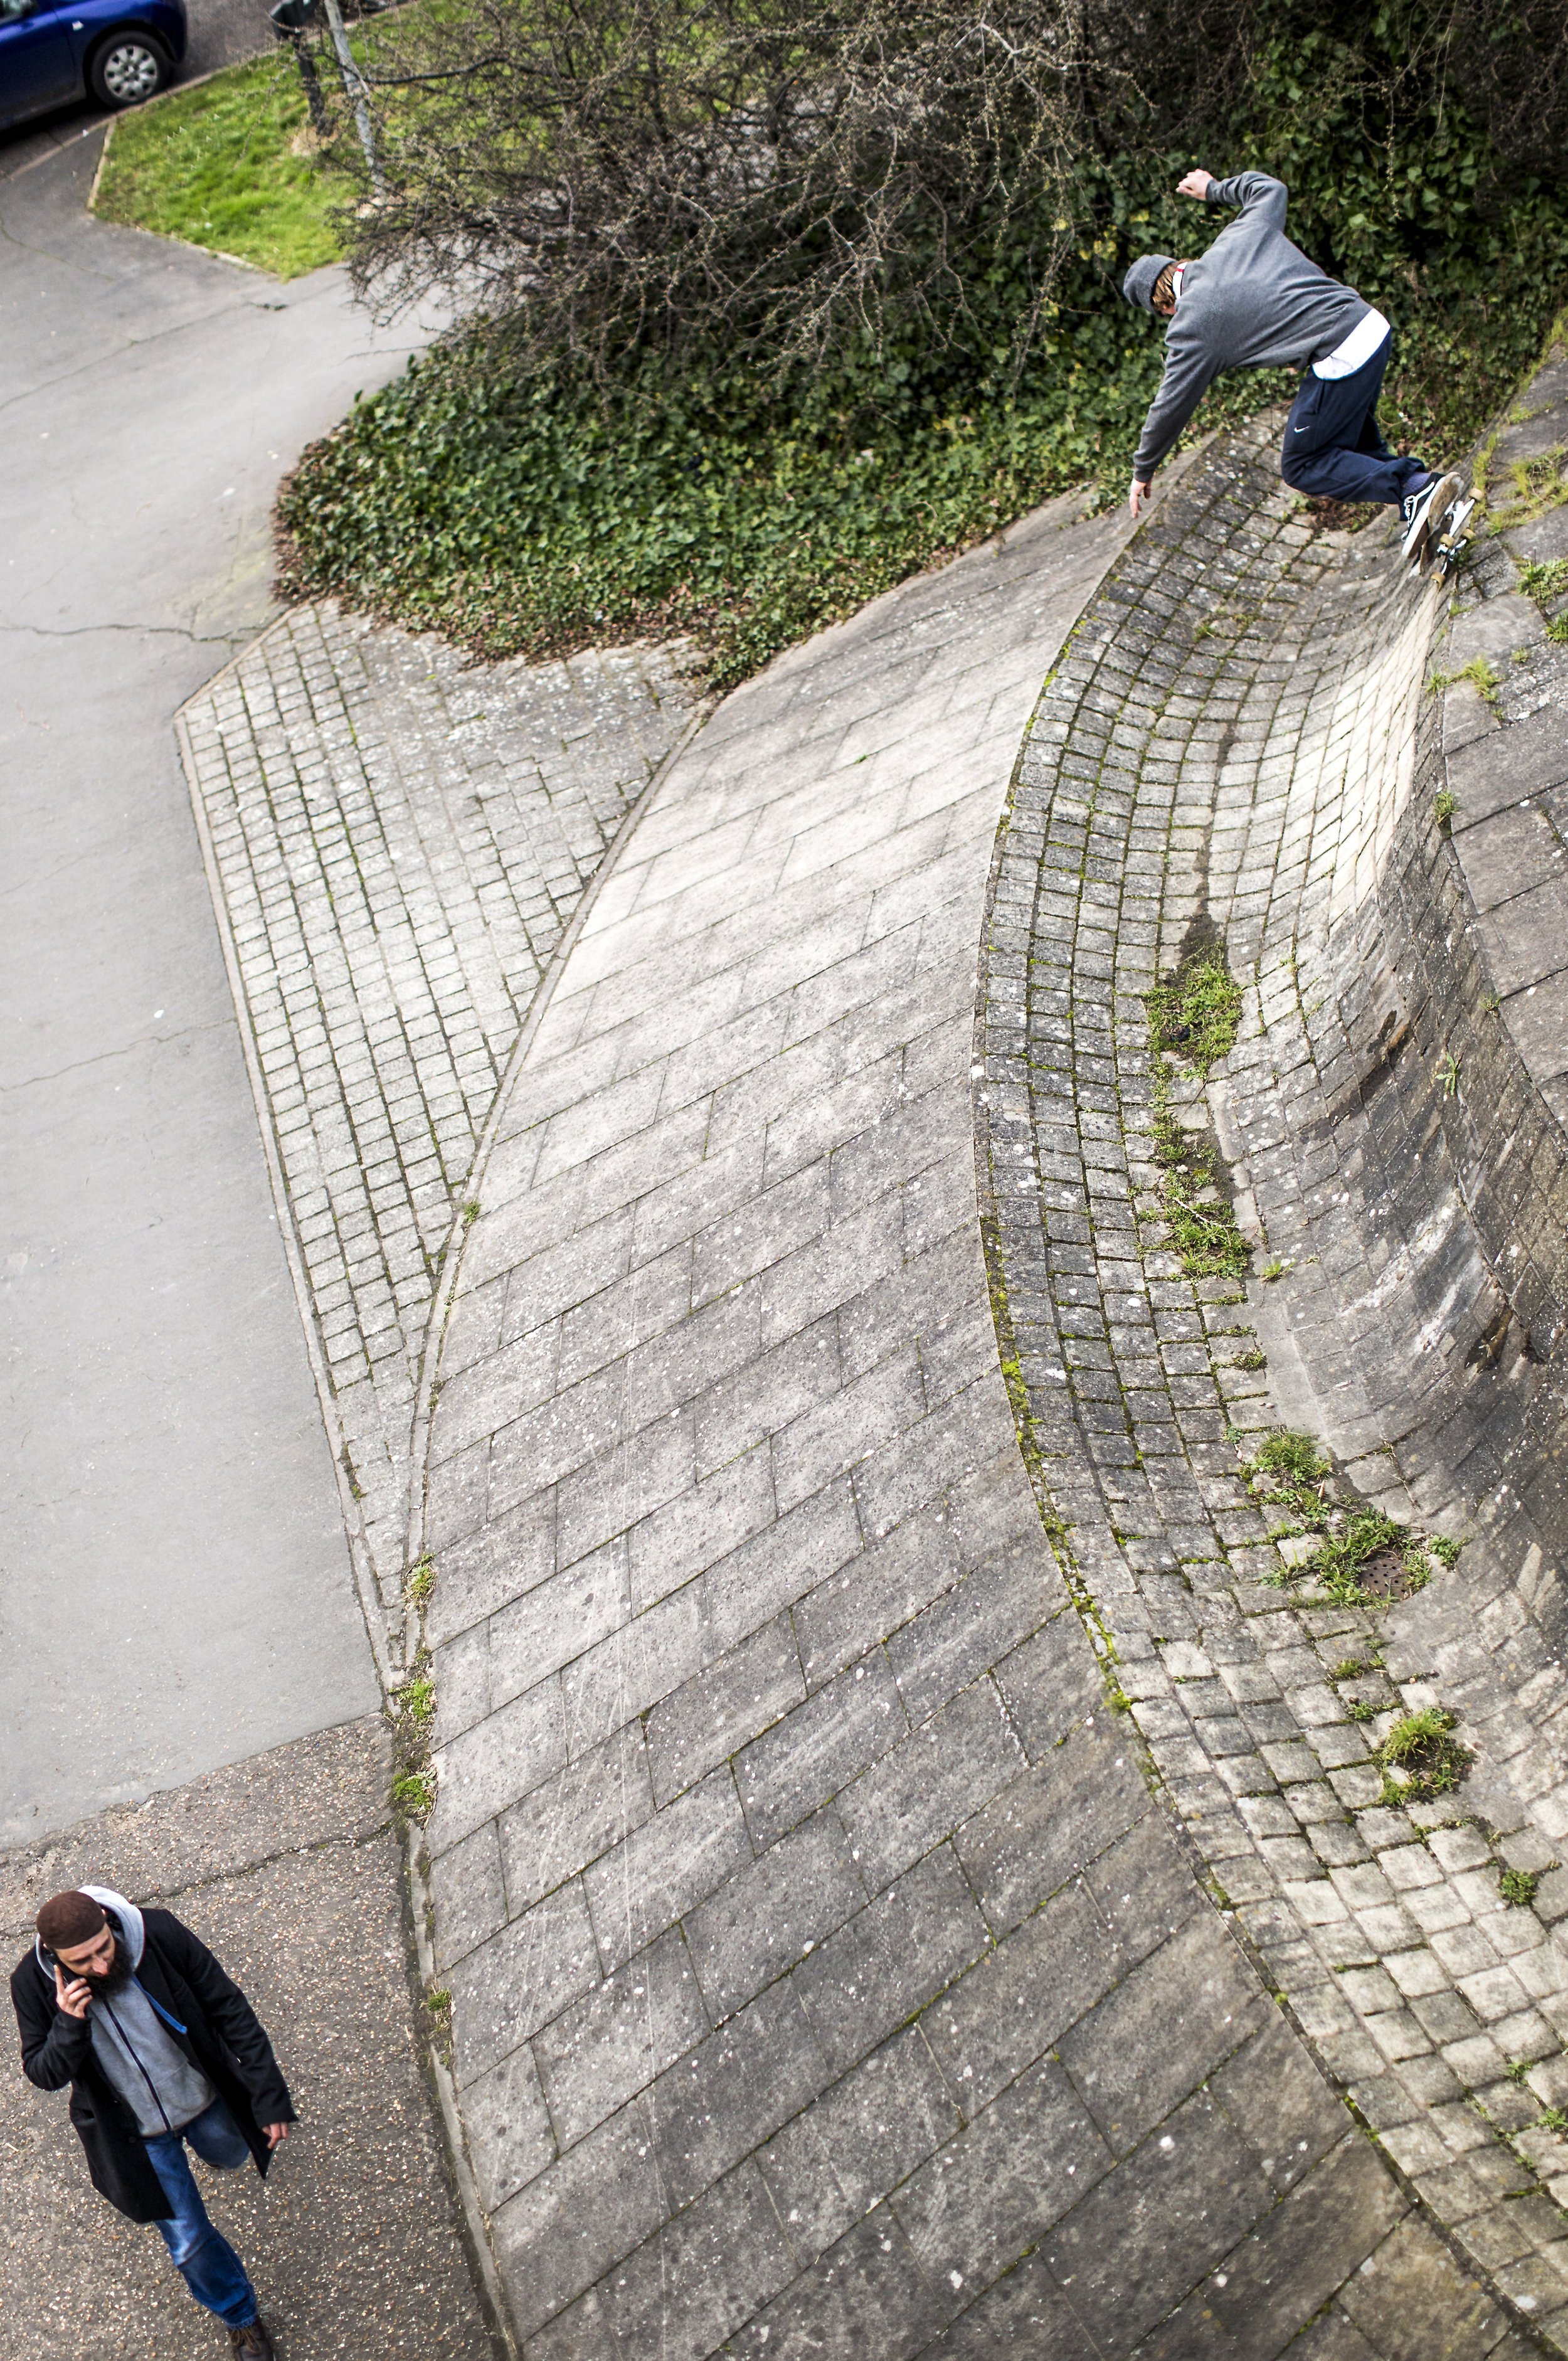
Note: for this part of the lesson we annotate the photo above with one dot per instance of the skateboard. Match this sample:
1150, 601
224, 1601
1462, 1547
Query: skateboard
1440, 530
1446, 548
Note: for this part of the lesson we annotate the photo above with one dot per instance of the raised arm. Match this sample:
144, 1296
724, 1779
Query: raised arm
54, 2043
1253, 192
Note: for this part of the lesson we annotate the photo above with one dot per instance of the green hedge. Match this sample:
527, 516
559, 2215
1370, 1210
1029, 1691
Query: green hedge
542, 515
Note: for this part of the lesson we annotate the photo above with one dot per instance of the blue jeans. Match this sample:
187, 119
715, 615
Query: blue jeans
1334, 446
211, 2268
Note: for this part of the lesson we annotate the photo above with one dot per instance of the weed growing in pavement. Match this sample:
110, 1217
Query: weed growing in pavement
1349, 1669
1290, 1472
1534, 486
439, 2003
1448, 1075
1546, 581
1196, 1013
1273, 1271
1550, 2119
412, 1707
1445, 804
414, 1793
1482, 679
1518, 1887
417, 1699
1419, 1759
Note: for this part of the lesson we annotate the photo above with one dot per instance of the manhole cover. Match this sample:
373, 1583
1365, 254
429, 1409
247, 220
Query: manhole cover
1384, 1575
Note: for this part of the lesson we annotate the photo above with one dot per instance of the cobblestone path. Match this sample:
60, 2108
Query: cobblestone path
824, 1978
396, 844
1214, 759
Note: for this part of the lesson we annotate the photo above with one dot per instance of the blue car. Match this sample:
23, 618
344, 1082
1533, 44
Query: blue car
117, 51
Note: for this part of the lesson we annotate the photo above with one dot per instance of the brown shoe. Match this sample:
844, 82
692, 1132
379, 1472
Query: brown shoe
251, 2343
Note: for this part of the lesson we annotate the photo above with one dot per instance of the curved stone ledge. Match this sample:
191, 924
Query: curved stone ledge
1235, 742
824, 1979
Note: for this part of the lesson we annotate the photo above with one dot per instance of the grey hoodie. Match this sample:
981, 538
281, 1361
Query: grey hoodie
1253, 300
131, 2038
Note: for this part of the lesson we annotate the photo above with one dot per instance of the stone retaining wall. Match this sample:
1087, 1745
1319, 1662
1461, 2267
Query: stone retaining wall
823, 1980
1230, 746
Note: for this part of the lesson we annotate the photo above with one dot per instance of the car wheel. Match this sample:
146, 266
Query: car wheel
128, 68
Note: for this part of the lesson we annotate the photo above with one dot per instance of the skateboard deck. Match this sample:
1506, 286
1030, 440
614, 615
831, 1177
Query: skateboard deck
1421, 558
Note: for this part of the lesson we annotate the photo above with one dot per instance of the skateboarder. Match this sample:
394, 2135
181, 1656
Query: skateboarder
161, 2049
1253, 300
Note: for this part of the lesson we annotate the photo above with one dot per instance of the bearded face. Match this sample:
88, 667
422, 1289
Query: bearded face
106, 1980
114, 1978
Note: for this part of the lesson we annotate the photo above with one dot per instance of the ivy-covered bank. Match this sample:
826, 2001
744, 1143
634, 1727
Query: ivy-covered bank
541, 510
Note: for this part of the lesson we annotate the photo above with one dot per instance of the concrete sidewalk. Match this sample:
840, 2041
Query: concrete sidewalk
286, 1866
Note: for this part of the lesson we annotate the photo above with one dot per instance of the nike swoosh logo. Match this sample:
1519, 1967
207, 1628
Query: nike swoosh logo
1298, 429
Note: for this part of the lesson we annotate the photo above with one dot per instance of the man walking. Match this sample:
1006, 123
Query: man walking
1255, 301
161, 2047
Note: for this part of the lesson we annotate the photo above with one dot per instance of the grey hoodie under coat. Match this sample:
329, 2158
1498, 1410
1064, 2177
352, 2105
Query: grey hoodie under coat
134, 2042
209, 2021
1253, 300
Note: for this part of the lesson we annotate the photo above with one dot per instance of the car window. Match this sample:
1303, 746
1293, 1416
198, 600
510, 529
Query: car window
11, 10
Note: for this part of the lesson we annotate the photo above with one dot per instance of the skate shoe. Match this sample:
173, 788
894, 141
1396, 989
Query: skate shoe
1421, 512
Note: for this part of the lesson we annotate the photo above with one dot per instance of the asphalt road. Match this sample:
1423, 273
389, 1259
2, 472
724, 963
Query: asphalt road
175, 1590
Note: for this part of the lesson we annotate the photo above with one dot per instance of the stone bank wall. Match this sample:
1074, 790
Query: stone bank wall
1237, 744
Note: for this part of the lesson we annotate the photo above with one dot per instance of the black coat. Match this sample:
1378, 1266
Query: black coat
222, 2036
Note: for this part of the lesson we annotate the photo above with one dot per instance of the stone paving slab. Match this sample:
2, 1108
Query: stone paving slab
825, 1978
397, 843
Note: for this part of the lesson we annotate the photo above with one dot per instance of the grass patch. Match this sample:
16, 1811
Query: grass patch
217, 166
1196, 1013
1518, 1887
1419, 1759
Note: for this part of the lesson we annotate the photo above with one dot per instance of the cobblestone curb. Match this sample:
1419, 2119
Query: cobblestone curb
1228, 747
396, 843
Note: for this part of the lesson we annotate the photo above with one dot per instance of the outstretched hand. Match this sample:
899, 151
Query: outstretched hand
1196, 184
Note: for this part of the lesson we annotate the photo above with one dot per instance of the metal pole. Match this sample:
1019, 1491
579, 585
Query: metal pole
289, 19
354, 83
